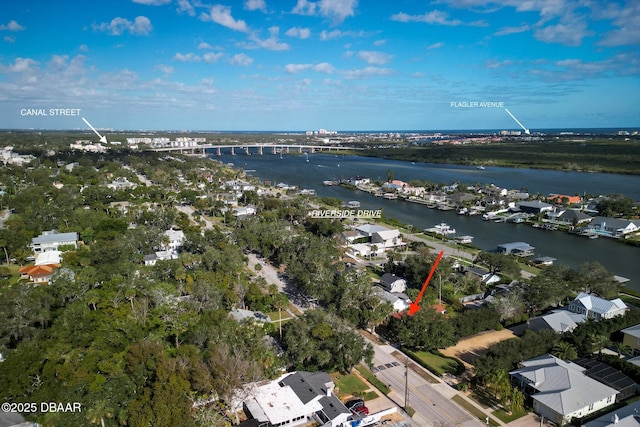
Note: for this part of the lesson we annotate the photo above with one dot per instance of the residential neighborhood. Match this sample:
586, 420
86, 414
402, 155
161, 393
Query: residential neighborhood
270, 317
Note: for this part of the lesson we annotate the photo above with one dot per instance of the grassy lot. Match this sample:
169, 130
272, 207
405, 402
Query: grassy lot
275, 316
438, 364
368, 375
473, 410
507, 418
349, 385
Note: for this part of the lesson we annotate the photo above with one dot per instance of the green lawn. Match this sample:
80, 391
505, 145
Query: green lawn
473, 410
438, 363
507, 418
349, 385
368, 375
275, 317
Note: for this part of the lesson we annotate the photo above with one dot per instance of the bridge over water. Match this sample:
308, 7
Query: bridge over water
256, 148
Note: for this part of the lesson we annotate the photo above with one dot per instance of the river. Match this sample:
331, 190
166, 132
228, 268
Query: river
620, 259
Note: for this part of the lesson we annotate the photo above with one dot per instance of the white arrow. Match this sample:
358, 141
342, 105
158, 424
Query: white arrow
103, 139
514, 118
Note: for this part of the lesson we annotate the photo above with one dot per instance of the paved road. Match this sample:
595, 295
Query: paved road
430, 401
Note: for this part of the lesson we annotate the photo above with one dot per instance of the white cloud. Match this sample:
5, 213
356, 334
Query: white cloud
335, 34
272, 43
304, 7
296, 68
566, 33
186, 57
435, 17
379, 42
140, 26
241, 59
152, 2
367, 72
437, 45
184, 6
211, 57
374, 57
301, 33
323, 67
166, 69
11, 26
512, 30
204, 45
20, 65
222, 15
337, 10
627, 21
255, 5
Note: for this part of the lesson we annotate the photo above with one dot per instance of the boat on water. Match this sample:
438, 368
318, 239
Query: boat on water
442, 228
480, 167
329, 183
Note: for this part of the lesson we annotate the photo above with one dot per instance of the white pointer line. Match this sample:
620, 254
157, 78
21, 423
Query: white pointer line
103, 139
517, 121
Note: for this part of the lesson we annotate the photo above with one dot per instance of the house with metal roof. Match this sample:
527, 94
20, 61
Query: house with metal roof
560, 390
51, 240
516, 248
559, 321
613, 227
297, 398
597, 308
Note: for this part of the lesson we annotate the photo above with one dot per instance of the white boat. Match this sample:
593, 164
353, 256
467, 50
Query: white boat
442, 228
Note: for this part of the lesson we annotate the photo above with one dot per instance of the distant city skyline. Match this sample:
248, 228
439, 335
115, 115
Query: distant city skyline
296, 65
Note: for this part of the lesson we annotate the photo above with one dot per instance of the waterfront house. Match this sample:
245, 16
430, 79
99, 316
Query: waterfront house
52, 240
534, 207
562, 199
521, 249
571, 217
614, 227
593, 307
561, 390
393, 283
296, 399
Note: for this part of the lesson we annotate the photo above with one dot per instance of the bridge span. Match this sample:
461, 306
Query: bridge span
257, 148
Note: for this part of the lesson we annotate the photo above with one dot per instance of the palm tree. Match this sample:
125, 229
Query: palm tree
565, 351
599, 342
622, 348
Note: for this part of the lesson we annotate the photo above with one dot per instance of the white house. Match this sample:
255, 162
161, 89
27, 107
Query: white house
398, 300
295, 399
175, 240
51, 240
560, 390
597, 308
392, 283
380, 236
613, 227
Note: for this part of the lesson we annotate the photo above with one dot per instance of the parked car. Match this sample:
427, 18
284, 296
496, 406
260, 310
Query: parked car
357, 406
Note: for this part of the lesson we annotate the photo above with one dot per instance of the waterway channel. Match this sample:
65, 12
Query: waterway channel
618, 258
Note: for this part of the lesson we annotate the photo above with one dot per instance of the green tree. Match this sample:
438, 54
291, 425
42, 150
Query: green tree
565, 351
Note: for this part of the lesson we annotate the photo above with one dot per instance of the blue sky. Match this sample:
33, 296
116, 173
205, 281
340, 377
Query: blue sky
310, 64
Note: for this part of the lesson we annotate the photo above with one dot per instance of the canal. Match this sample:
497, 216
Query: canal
620, 259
